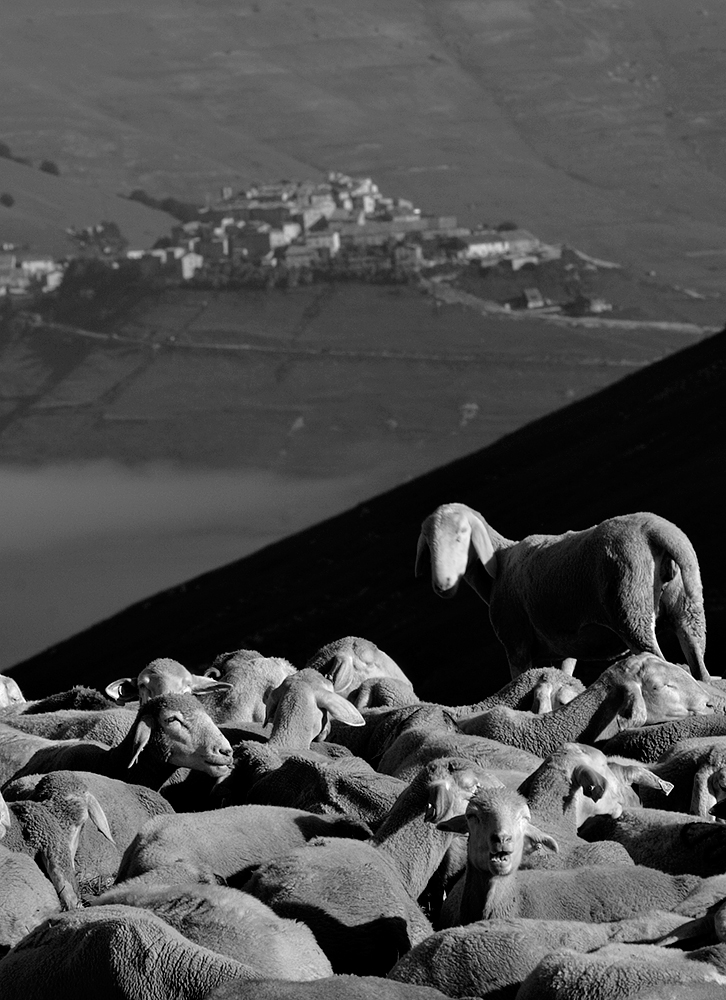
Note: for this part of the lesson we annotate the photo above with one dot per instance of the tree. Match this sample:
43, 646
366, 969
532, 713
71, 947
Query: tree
7, 200
50, 167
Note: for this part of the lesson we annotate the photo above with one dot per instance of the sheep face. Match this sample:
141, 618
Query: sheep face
184, 734
10, 693
453, 535
670, 692
500, 831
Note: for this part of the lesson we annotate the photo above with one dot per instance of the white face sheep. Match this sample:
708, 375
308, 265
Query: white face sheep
162, 676
251, 678
350, 661
588, 594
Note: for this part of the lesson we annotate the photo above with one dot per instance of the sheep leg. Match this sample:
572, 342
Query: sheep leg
692, 652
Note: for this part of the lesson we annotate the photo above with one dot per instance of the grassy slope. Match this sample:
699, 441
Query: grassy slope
597, 121
45, 206
650, 442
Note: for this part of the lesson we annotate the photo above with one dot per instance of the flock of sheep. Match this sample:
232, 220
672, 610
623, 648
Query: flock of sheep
267, 832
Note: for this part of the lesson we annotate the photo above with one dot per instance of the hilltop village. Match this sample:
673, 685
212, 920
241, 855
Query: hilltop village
290, 233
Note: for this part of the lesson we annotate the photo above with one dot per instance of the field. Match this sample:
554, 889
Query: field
599, 123
322, 381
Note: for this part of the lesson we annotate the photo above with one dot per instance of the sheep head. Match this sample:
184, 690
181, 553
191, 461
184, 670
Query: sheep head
605, 782
182, 734
300, 709
162, 676
452, 784
500, 830
555, 689
654, 691
454, 535
10, 693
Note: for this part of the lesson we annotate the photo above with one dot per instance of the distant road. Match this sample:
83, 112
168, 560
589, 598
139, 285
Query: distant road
296, 349
452, 296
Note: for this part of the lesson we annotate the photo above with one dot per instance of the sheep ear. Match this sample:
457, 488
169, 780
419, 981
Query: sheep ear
123, 690
702, 798
638, 774
213, 672
483, 546
542, 699
95, 811
142, 735
457, 824
593, 784
535, 836
202, 684
632, 712
340, 708
422, 552
340, 671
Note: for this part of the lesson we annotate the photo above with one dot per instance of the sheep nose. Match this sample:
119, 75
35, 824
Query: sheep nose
225, 750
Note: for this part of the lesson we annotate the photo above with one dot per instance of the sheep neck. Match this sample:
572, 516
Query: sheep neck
487, 896
416, 846
151, 770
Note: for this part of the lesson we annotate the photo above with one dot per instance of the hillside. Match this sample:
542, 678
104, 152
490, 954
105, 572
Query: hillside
598, 123
650, 442
45, 206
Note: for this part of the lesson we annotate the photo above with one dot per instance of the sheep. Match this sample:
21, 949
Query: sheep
351, 896
226, 843
621, 971
301, 707
48, 830
80, 698
351, 661
27, 898
579, 781
499, 825
126, 807
651, 742
672, 842
10, 694
540, 690
231, 923
169, 732
109, 727
634, 691
347, 786
586, 594
161, 676
251, 677
491, 958
116, 951
697, 768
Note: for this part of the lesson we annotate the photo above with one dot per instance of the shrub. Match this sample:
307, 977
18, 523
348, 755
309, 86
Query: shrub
49, 167
7, 200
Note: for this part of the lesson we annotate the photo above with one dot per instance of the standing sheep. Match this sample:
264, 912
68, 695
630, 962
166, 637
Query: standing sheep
589, 594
